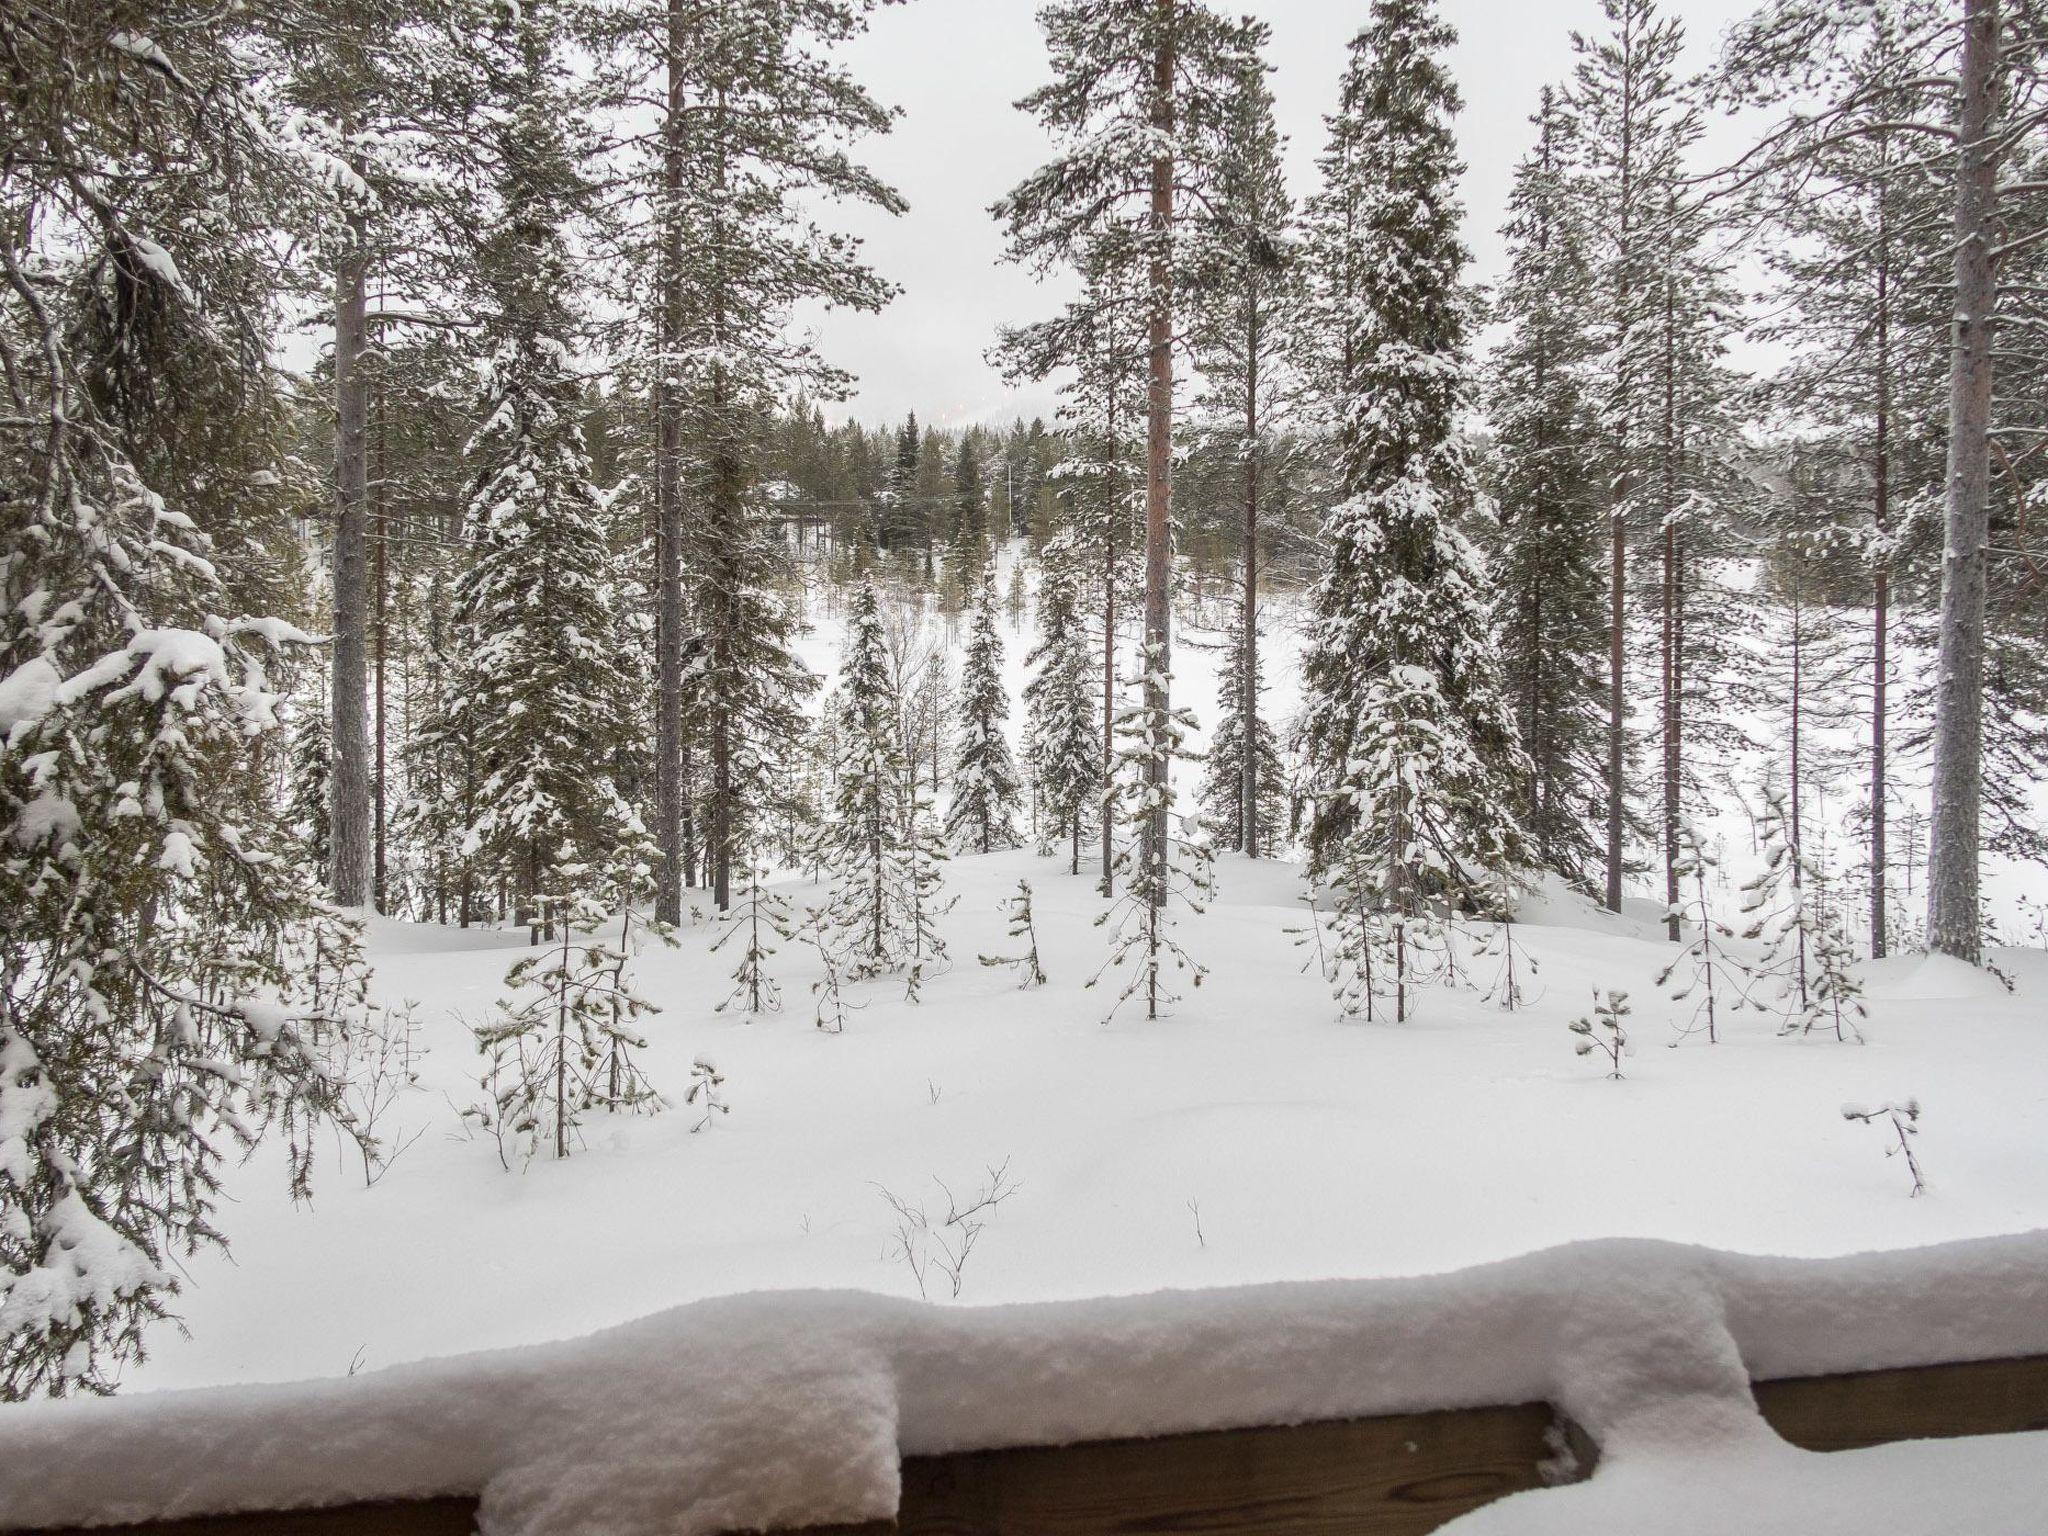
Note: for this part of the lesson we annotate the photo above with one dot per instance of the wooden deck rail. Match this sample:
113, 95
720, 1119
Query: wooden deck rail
1400, 1475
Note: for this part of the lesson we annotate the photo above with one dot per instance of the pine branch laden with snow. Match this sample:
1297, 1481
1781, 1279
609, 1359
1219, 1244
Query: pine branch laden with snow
1604, 1030
171, 969
982, 814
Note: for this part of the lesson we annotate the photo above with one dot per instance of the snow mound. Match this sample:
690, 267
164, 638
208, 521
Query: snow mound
1550, 903
795, 1408
1929, 978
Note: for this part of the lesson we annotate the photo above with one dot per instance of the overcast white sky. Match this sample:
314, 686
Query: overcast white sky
956, 67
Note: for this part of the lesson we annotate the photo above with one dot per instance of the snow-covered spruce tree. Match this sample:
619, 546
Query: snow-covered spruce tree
1060, 731
1141, 105
922, 896
308, 800
1224, 770
875, 812
760, 921
532, 685
1141, 919
982, 815
1243, 331
1548, 567
163, 939
1409, 739
1703, 971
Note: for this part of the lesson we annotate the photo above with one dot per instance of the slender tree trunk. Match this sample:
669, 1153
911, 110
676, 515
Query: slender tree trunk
1617, 596
1952, 874
381, 635
668, 504
1672, 708
1109, 554
1880, 587
350, 777
1159, 449
1248, 659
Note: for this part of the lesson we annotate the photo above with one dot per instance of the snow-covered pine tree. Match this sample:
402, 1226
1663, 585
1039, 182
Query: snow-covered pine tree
559, 1045
1548, 567
982, 816
1863, 235
1243, 329
1409, 739
175, 937
880, 848
1098, 345
532, 683
1835, 996
1060, 732
1631, 122
1141, 105
761, 921
921, 897
1611, 1038
1704, 971
1141, 919
870, 775
1023, 930
754, 122
308, 803
1776, 907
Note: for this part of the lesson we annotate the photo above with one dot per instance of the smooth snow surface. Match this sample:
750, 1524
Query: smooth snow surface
786, 1410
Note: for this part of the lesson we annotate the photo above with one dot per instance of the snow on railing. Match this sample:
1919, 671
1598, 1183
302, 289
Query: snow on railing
800, 1409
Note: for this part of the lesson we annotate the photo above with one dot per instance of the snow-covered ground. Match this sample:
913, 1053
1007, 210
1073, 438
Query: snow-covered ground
1251, 1136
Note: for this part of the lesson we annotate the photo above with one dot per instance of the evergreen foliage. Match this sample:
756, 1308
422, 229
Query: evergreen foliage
982, 815
1411, 746
1549, 581
1140, 919
1061, 732
560, 1045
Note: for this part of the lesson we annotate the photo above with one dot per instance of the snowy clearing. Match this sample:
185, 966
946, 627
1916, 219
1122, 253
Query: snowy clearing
1250, 1137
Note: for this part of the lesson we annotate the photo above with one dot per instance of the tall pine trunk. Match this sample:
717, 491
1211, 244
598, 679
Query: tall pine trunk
1952, 855
349, 780
1673, 635
1248, 656
668, 506
1159, 448
1880, 585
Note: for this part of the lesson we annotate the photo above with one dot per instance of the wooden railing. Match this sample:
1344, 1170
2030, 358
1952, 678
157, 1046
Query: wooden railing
1399, 1475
